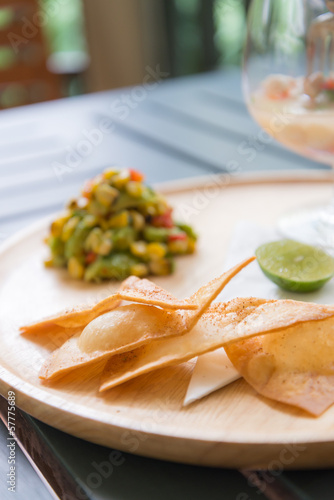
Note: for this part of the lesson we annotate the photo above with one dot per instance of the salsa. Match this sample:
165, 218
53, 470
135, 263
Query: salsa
118, 227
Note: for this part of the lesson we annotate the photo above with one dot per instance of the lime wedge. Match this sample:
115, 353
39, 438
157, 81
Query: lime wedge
294, 266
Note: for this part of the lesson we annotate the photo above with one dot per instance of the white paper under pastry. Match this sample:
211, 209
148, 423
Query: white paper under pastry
212, 372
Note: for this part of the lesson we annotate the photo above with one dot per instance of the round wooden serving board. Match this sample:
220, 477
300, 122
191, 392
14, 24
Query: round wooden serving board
233, 427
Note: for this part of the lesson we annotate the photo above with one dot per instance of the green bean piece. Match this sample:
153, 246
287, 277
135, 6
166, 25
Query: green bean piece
188, 230
75, 244
125, 201
56, 245
159, 234
123, 237
116, 266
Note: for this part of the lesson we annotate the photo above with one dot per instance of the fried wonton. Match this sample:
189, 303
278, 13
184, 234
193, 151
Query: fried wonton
132, 289
295, 366
222, 325
129, 327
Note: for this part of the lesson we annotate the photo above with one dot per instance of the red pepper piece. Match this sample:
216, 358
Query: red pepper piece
90, 258
177, 237
135, 175
164, 220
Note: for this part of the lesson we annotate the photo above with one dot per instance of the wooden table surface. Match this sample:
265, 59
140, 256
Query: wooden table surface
170, 130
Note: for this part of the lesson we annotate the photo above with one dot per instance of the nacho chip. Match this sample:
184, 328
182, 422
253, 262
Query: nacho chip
132, 289
130, 327
222, 325
295, 366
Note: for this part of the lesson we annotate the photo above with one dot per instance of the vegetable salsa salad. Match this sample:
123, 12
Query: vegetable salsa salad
118, 227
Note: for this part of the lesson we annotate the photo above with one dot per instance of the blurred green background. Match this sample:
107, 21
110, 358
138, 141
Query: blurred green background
101, 44
203, 33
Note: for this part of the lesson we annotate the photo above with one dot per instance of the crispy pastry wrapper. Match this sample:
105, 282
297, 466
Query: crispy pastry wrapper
131, 327
222, 325
133, 289
294, 366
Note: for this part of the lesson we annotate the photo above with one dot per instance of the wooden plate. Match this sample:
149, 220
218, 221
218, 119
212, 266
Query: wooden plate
233, 427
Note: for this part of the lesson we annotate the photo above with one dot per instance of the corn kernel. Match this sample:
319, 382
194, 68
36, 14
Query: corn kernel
99, 242
75, 268
93, 240
110, 172
121, 179
119, 220
139, 270
134, 189
106, 194
139, 248
57, 226
138, 220
94, 208
178, 246
191, 245
156, 250
96, 182
161, 206
151, 209
69, 227
90, 220
105, 247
